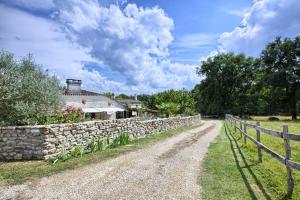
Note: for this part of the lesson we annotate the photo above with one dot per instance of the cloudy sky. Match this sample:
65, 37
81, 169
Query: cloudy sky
140, 46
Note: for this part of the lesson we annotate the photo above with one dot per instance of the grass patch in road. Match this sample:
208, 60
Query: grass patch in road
231, 170
19, 172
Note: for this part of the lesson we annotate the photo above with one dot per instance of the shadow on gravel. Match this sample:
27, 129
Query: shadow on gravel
240, 159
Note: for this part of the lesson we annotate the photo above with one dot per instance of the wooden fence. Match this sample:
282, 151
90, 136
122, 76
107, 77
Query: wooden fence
284, 134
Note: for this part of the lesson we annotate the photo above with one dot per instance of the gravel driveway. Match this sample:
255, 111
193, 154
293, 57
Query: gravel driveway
169, 169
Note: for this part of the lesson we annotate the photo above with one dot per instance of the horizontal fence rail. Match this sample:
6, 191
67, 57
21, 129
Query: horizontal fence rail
285, 135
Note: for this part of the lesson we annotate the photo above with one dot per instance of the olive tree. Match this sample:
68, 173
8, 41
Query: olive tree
26, 91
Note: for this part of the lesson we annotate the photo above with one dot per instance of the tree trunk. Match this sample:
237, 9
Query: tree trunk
292, 101
293, 107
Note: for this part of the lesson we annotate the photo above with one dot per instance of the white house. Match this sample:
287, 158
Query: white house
132, 105
97, 106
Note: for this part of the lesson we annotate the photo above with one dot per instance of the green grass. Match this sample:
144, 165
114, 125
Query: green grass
266, 118
18, 172
231, 170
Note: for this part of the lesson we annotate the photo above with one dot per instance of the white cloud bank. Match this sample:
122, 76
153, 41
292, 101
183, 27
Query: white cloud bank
264, 21
132, 41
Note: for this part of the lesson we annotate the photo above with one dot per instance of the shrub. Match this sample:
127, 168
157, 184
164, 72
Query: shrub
73, 114
77, 151
273, 119
168, 108
69, 115
189, 111
93, 146
122, 139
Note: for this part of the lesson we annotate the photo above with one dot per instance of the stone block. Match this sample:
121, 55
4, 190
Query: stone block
18, 156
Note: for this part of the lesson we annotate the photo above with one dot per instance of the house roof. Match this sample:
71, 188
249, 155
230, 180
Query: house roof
82, 93
108, 110
129, 101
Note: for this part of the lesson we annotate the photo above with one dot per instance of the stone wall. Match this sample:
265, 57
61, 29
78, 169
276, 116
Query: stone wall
43, 142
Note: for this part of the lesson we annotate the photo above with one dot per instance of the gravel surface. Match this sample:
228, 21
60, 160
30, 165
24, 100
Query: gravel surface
169, 169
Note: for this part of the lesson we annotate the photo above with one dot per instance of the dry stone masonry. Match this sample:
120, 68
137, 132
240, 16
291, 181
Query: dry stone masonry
43, 142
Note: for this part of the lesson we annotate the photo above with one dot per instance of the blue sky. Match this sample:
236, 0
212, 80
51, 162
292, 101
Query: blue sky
139, 46
196, 21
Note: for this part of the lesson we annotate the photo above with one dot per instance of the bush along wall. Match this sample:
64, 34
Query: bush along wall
51, 141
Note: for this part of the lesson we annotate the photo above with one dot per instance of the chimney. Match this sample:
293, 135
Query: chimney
135, 97
73, 86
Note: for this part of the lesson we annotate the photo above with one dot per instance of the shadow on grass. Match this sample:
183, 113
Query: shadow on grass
236, 151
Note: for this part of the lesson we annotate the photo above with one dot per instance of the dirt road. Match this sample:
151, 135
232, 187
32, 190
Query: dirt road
169, 169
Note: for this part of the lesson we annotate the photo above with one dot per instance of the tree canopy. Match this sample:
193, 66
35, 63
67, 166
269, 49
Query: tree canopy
25, 90
228, 81
281, 64
176, 101
244, 85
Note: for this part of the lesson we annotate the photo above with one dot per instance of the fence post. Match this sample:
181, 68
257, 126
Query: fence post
287, 147
258, 140
245, 132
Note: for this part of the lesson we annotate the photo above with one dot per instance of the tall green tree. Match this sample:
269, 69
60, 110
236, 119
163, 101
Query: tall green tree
26, 90
281, 64
227, 83
147, 100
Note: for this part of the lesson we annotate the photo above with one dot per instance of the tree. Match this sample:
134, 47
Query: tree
26, 90
109, 94
124, 96
281, 64
147, 100
227, 84
182, 97
168, 108
196, 95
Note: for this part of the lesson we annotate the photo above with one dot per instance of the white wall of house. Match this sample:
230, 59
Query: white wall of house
99, 101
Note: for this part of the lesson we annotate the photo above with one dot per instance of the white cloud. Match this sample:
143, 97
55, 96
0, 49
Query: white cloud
43, 5
122, 40
211, 54
42, 38
197, 40
265, 20
132, 41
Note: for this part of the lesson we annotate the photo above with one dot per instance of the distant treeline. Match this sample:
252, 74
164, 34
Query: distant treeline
169, 102
242, 85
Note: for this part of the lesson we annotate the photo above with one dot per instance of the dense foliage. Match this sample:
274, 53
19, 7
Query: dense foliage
170, 102
281, 64
243, 85
109, 94
27, 92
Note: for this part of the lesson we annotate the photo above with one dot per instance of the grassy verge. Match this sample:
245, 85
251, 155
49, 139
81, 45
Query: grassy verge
19, 172
231, 170
266, 118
